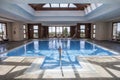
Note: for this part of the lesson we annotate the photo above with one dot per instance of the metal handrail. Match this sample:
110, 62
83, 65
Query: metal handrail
60, 55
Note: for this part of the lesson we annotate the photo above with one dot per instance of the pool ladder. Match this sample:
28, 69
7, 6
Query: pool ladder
60, 55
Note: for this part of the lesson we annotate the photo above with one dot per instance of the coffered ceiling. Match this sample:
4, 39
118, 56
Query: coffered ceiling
59, 6
59, 11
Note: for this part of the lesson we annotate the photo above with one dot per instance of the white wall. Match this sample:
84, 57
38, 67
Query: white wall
17, 31
59, 13
102, 31
110, 30
9, 31
92, 31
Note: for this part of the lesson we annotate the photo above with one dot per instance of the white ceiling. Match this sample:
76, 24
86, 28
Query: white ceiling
62, 1
18, 10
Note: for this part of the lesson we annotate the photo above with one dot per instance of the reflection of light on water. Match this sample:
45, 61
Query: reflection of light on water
56, 43
3, 55
53, 44
93, 47
50, 49
52, 60
102, 54
68, 44
25, 50
82, 45
3, 48
36, 46
29, 52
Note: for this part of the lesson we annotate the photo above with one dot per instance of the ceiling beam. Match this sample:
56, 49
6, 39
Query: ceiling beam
38, 7
58, 9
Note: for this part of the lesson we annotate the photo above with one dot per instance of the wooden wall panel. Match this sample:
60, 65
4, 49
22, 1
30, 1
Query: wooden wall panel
40, 31
44, 31
78, 31
88, 31
72, 31
30, 31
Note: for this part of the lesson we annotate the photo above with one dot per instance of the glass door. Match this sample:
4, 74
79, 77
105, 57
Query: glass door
35, 31
66, 31
3, 31
82, 31
51, 32
116, 31
59, 31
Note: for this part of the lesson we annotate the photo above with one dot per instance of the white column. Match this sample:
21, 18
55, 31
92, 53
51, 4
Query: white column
17, 31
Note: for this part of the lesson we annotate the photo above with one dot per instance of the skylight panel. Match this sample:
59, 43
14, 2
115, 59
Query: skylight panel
72, 6
86, 11
118, 27
59, 5
55, 5
93, 6
46, 6
36, 27
99, 4
64, 5
89, 9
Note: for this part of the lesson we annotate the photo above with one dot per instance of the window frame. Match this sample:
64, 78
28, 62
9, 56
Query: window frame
6, 31
94, 33
116, 31
24, 31
81, 29
59, 30
35, 30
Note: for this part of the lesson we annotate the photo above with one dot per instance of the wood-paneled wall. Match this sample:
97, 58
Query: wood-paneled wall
42, 31
30, 31
72, 31
87, 29
75, 30
45, 32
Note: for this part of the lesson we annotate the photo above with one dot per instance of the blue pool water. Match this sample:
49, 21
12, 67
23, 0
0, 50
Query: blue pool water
49, 48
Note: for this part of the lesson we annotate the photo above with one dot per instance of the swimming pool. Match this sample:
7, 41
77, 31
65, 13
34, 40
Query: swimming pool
49, 48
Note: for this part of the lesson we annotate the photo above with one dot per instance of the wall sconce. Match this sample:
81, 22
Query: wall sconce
14, 32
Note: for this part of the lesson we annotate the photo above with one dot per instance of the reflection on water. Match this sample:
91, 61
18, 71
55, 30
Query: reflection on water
73, 47
49, 48
3, 48
52, 61
55, 43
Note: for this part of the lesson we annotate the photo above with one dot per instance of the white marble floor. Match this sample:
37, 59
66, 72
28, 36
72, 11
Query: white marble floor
93, 68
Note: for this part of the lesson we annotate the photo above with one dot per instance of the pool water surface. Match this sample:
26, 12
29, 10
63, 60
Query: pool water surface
49, 48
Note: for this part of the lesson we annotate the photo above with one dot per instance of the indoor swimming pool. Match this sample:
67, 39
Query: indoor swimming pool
49, 49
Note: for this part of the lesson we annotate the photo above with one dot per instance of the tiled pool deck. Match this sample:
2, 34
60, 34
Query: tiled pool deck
93, 68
